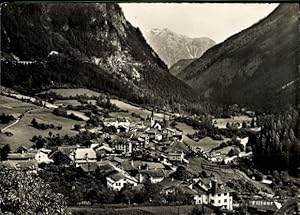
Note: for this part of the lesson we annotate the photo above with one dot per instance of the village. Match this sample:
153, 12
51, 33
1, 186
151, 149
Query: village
131, 151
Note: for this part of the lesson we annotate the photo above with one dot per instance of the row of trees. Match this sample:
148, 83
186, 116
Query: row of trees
44, 126
82, 138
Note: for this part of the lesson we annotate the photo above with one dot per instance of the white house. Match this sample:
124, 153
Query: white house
121, 126
175, 156
119, 180
123, 147
42, 156
217, 195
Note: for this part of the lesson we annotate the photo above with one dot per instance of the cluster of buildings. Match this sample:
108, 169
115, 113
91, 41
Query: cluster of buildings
129, 156
130, 153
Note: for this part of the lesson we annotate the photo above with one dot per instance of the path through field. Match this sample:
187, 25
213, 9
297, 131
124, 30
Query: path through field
18, 119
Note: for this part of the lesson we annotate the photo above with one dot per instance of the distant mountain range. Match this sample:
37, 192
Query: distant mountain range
256, 66
172, 47
84, 44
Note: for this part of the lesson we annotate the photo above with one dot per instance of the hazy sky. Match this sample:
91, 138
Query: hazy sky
214, 20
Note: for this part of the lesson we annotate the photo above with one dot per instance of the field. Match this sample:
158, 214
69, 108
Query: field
206, 144
67, 102
135, 109
138, 210
23, 131
14, 107
73, 92
186, 129
120, 104
225, 150
221, 122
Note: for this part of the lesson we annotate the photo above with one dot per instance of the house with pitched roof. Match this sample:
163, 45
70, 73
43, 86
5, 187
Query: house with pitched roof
155, 176
118, 180
21, 149
21, 165
40, 155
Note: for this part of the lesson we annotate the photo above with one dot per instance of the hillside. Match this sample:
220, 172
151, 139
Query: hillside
172, 47
179, 66
256, 66
84, 45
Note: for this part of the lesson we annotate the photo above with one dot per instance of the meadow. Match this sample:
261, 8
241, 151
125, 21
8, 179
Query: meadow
23, 131
222, 122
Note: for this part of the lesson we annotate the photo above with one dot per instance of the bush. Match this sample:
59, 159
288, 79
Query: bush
6, 118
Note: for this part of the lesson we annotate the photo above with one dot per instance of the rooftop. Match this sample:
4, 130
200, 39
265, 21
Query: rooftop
21, 156
84, 153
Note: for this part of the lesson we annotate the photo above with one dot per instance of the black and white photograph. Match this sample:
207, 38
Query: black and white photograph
149, 108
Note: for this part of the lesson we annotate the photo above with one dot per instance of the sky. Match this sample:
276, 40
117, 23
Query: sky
217, 21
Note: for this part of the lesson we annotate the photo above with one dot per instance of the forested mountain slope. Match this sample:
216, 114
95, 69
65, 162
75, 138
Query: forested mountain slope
90, 45
256, 66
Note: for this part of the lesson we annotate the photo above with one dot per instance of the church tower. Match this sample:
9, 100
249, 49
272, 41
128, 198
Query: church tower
152, 121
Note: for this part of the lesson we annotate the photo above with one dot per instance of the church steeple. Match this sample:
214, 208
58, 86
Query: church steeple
152, 121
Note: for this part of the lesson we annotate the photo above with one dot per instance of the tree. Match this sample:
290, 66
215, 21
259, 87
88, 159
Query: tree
77, 127
252, 124
181, 173
60, 158
4, 152
152, 192
50, 134
24, 193
127, 195
34, 122
292, 135
244, 125
233, 152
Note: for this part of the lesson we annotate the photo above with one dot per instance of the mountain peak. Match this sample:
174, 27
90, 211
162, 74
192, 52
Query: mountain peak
172, 47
